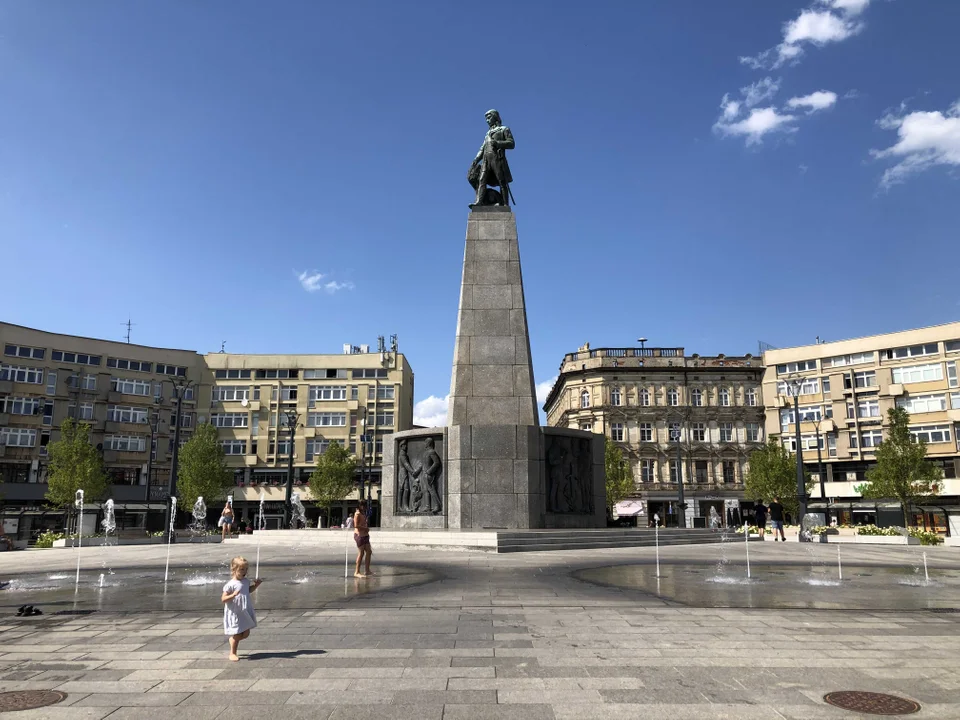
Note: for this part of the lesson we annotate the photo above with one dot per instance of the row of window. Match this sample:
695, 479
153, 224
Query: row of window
696, 432
725, 397
135, 365
177, 370
125, 443
20, 406
701, 471
24, 351
77, 358
18, 437
21, 374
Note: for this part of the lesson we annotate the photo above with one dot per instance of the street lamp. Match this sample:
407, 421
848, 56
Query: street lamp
290, 421
682, 517
154, 423
642, 341
180, 388
795, 385
823, 491
363, 456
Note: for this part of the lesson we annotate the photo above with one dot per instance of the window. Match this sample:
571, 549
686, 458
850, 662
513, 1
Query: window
24, 351
615, 397
255, 427
700, 471
277, 374
808, 413
724, 397
952, 374
586, 427
645, 397
125, 443
913, 351
125, 414
729, 471
751, 397
232, 374
136, 365
78, 358
863, 379
808, 442
89, 382
230, 393
126, 386
51, 383
86, 411
699, 431
826, 386
753, 432
327, 419
48, 413
674, 471
918, 373
931, 433
673, 397
354, 392
384, 418
585, 399
844, 360
18, 437
21, 374
229, 420
646, 432
386, 392
234, 447
647, 473
696, 397
832, 445
370, 373
318, 447
865, 409
868, 439
923, 403
285, 394
280, 448
796, 367
328, 392
952, 345
324, 374
809, 386
19, 406
616, 432
171, 370
726, 432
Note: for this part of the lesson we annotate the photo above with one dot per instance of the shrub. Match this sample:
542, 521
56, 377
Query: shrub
46, 538
823, 530
926, 537
874, 530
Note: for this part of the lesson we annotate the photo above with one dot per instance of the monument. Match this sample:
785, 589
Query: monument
493, 466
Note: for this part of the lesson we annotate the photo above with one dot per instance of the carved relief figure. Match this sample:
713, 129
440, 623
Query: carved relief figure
406, 475
430, 467
569, 476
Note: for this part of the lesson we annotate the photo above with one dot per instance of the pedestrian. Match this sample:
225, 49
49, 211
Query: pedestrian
361, 535
760, 518
776, 519
226, 520
239, 617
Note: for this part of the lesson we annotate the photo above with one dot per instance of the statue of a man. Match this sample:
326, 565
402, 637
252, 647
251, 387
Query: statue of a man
490, 166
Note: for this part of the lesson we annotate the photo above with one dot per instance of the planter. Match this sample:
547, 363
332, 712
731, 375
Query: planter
99, 541
886, 540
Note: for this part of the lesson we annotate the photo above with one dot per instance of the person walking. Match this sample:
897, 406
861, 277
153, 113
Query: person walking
776, 519
239, 617
226, 520
361, 535
760, 518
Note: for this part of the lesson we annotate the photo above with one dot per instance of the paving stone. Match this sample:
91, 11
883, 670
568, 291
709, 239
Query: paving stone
498, 712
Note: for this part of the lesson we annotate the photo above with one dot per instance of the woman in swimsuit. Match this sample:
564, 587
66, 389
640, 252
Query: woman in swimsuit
361, 535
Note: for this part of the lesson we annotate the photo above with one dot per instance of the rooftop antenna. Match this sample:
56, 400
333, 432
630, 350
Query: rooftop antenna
129, 325
223, 346
394, 344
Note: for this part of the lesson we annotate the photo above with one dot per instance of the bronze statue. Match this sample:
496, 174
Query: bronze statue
490, 166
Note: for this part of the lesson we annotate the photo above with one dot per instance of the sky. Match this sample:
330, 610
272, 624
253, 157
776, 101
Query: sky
289, 177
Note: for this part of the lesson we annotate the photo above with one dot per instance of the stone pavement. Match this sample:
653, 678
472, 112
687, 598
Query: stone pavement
498, 636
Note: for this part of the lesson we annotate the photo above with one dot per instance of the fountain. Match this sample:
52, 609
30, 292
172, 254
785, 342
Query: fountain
173, 518
714, 519
839, 564
746, 539
926, 574
199, 524
259, 530
78, 503
656, 538
101, 581
109, 522
298, 514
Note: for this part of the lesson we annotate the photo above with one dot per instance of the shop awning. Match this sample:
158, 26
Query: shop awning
629, 508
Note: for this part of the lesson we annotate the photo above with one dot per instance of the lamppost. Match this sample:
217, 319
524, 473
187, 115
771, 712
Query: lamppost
363, 467
795, 385
643, 342
154, 423
180, 388
290, 421
675, 433
823, 490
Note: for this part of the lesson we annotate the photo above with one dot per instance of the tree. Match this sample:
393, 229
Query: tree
202, 471
902, 471
332, 479
74, 465
773, 474
619, 479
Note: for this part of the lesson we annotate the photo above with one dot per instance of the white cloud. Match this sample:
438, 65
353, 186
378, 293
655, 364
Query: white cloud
926, 139
731, 108
819, 100
312, 281
760, 122
847, 7
760, 91
544, 388
431, 412
803, 169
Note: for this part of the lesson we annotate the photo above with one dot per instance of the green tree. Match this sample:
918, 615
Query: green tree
902, 471
332, 479
773, 474
619, 478
202, 471
74, 465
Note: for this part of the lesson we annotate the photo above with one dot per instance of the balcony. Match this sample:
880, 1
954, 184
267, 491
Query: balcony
6, 387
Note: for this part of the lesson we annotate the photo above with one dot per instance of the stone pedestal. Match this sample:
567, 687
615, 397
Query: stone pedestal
500, 469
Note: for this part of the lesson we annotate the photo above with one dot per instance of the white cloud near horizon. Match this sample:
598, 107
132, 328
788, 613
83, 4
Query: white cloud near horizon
312, 281
925, 139
431, 412
819, 100
543, 389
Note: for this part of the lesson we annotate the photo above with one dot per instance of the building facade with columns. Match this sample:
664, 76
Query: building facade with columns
844, 390
126, 393
668, 410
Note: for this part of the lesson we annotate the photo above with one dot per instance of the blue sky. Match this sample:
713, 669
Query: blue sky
705, 174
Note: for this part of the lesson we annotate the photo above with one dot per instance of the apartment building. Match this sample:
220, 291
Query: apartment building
126, 392
668, 411
844, 390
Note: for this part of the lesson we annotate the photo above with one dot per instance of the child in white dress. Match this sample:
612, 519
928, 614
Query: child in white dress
239, 617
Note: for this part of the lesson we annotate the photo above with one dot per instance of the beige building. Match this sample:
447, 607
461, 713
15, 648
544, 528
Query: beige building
126, 393
844, 390
638, 397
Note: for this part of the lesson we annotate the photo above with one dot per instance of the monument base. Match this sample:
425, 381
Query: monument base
498, 477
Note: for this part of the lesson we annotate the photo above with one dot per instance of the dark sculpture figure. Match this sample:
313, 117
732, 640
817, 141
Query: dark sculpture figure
430, 466
407, 475
569, 476
490, 166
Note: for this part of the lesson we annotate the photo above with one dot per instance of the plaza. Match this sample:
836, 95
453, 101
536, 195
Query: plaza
468, 634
